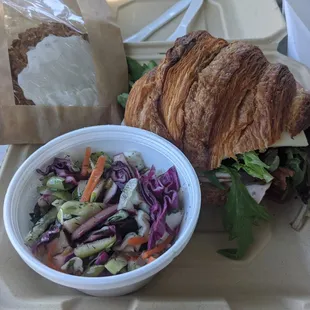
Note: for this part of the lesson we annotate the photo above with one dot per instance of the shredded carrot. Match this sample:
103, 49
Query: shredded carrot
50, 262
94, 179
151, 259
131, 258
159, 248
85, 163
137, 240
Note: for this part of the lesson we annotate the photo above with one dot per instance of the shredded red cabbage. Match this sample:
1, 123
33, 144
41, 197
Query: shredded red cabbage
105, 232
102, 258
147, 194
110, 194
71, 180
172, 200
45, 199
156, 195
48, 236
120, 174
121, 171
170, 180
158, 228
154, 189
68, 257
154, 184
161, 194
64, 168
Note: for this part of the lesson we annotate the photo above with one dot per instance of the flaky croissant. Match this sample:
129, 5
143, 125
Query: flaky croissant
215, 99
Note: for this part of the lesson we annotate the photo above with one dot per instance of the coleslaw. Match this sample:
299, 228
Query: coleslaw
105, 215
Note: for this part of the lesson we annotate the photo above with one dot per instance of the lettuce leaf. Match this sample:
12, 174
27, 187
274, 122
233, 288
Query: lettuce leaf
122, 99
211, 175
135, 72
296, 160
149, 66
254, 166
241, 213
272, 159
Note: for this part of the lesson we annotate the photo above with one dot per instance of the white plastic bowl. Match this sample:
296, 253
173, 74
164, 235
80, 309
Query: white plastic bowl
22, 195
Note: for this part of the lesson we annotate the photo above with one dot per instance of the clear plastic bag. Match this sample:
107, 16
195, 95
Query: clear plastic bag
51, 61
64, 75
46, 11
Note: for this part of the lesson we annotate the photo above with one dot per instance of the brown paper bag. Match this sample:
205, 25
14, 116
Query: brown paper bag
33, 124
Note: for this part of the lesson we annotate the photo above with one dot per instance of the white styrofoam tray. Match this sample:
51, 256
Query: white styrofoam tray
274, 275
228, 19
298, 29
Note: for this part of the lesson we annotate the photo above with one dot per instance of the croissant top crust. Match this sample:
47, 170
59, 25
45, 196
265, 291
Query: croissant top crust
215, 99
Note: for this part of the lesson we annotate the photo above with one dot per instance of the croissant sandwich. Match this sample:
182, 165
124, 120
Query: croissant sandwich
238, 118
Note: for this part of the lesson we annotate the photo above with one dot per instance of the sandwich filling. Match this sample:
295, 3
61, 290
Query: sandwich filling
238, 118
240, 184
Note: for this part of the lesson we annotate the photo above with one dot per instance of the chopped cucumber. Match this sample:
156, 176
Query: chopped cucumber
132, 265
108, 184
63, 195
75, 194
135, 160
143, 221
72, 209
58, 203
93, 271
80, 188
123, 270
89, 249
42, 189
40, 226
97, 191
60, 194
56, 183
115, 265
45, 179
119, 216
72, 224
73, 266
130, 196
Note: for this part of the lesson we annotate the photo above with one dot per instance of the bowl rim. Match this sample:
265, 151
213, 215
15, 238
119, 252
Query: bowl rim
115, 281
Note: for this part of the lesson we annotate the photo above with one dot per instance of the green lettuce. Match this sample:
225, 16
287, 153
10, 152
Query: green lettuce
272, 159
211, 175
253, 166
241, 213
122, 99
135, 72
296, 160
